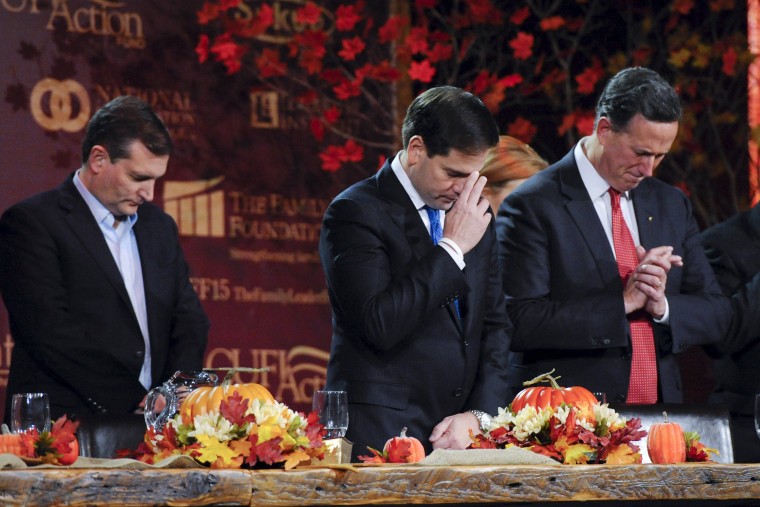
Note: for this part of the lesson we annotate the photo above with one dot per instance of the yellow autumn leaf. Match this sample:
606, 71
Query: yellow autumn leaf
212, 449
295, 457
241, 447
679, 58
623, 455
578, 454
270, 430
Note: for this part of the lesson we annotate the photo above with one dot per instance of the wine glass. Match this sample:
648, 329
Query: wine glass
332, 408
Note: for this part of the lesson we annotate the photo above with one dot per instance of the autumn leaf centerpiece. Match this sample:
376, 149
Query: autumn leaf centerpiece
567, 426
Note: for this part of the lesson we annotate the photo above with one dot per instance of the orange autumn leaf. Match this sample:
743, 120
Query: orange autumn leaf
552, 23
623, 455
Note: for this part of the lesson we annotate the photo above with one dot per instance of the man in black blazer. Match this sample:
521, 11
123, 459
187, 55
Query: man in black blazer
419, 330
95, 282
733, 250
570, 306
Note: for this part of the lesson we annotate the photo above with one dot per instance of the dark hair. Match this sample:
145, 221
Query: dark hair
122, 121
638, 90
447, 117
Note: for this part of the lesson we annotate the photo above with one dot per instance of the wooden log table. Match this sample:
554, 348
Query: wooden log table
388, 484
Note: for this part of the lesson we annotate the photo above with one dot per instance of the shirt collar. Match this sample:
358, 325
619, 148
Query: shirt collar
97, 209
403, 178
595, 185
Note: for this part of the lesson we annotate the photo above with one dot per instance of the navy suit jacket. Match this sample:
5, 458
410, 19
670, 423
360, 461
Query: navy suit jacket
76, 336
398, 346
564, 293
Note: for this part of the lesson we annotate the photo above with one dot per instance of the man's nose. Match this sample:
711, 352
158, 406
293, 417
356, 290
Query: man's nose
146, 190
648, 165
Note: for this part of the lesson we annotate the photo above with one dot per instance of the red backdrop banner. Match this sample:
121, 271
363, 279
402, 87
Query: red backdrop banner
245, 184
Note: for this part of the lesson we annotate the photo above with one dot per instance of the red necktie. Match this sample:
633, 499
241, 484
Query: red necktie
642, 387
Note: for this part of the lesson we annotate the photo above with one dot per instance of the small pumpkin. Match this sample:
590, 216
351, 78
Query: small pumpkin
208, 399
417, 451
552, 396
13, 444
666, 442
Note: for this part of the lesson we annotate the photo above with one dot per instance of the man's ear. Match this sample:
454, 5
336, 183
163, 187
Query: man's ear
415, 149
98, 158
603, 129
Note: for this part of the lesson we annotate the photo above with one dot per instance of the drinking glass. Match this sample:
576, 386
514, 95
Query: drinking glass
332, 408
757, 414
601, 397
30, 411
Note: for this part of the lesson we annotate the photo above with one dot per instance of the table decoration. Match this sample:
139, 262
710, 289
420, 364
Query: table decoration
59, 446
242, 433
400, 449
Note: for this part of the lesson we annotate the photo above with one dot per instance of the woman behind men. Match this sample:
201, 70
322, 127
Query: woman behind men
509, 164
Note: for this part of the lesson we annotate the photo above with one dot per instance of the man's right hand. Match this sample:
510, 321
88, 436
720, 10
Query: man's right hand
468, 218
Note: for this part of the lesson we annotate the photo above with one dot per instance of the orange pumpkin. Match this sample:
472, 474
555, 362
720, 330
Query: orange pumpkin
12, 444
207, 399
417, 451
666, 442
553, 396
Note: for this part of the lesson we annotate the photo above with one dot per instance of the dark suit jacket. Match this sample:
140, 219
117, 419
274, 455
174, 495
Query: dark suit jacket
398, 347
75, 333
733, 250
564, 293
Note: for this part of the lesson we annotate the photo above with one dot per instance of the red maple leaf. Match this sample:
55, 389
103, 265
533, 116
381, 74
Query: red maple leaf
376, 456
481, 82
333, 76
352, 151
391, 30
511, 80
331, 156
440, 51
523, 129
208, 13
416, 41
520, 15
269, 64
522, 45
552, 23
424, 4
683, 6
308, 14
331, 115
234, 407
346, 16
383, 71
422, 71
348, 89
589, 77
398, 450
317, 129
351, 48
483, 11
307, 98
202, 48
729, 61
269, 452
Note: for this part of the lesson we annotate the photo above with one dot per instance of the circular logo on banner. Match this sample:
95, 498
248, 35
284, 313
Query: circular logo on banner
62, 99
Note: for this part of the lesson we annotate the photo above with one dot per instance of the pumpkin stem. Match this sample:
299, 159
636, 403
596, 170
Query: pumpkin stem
231, 372
665, 415
544, 377
403, 432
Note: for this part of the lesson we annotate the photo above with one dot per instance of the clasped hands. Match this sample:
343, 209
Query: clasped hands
646, 285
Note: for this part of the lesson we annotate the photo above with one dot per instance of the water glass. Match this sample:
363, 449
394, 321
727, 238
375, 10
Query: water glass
332, 408
757, 415
601, 397
30, 411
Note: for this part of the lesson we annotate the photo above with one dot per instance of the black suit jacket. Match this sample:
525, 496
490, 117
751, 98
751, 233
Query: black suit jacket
75, 333
564, 293
398, 347
733, 250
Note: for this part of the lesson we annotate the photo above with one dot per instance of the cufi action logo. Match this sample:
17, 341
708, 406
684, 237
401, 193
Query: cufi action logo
60, 105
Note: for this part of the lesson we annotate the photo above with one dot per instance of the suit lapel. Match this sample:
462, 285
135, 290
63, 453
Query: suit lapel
83, 225
581, 209
647, 217
407, 217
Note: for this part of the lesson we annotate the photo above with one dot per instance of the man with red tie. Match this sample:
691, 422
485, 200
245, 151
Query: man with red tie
603, 269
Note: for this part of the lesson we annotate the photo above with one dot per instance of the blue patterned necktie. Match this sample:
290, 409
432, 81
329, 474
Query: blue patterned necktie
436, 233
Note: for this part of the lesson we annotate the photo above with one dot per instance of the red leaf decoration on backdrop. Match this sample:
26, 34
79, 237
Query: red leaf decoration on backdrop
351, 48
392, 28
317, 129
416, 41
422, 71
308, 14
202, 48
589, 77
331, 115
348, 89
269, 64
523, 129
347, 16
729, 62
331, 158
519, 16
352, 151
208, 13
683, 6
483, 11
552, 23
522, 45
440, 52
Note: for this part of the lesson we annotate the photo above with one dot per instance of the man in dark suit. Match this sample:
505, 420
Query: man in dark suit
419, 330
100, 305
594, 247
733, 250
